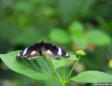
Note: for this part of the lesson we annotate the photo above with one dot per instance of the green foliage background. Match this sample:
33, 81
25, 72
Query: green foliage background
71, 24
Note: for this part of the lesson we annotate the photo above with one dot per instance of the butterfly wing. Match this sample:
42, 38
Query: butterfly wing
31, 52
50, 50
42, 48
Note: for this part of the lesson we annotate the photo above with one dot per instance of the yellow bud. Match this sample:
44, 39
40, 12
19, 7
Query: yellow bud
80, 52
110, 64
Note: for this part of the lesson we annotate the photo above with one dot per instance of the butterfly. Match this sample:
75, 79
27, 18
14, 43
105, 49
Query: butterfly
43, 48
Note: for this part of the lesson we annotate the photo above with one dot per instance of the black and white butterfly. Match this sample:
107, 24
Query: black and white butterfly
47, 49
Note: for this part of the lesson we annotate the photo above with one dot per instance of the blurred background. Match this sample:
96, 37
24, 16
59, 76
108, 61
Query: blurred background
71, 24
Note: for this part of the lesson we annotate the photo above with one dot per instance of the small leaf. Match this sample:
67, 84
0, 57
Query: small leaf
76, 28
72, 58
63, 61
36, 69
58, 63
92, 77
56, 35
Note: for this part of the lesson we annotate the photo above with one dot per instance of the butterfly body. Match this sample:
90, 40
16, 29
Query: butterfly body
42, 48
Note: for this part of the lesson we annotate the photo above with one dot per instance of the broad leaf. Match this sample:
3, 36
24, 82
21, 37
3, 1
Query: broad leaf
92, 77
36, 69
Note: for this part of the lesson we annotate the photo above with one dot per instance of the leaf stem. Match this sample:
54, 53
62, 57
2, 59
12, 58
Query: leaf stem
63, 83
63, 72
53, 68
74, 66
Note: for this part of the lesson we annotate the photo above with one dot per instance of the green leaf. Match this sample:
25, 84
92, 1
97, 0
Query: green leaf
72, 58
36, 69
80, 40
77, 35
92, 77
63, 61
58, 63
76, 28
98, 37
57, 34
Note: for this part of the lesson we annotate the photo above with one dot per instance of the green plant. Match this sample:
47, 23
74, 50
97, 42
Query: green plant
44, 69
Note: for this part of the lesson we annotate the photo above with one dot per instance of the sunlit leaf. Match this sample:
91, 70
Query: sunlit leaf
36, 69
59, 35
76, 28
92, 77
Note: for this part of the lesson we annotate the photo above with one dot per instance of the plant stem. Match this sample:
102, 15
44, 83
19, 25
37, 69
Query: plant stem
63, 83
63, 72
63, 69
74, 66
53, 68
